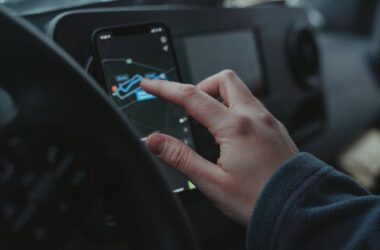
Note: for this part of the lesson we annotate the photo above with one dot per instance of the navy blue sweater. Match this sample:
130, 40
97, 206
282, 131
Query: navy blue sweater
309, 205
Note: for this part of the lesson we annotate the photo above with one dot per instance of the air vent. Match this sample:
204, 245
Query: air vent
304, 55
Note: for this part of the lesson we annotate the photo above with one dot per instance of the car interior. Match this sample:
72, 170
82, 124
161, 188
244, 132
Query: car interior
74, 170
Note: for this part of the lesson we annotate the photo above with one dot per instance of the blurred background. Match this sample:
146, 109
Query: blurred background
349, 42
317, 63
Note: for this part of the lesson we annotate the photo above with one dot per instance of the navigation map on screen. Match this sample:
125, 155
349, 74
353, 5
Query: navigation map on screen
127, 56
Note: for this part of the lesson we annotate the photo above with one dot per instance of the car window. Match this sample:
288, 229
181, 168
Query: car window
40, 6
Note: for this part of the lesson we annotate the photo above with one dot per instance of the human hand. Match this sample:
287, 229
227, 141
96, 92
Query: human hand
253, 144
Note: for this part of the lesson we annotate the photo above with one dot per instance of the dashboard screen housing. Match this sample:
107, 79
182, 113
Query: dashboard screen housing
211, 53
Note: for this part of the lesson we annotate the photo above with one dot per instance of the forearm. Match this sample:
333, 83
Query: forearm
309, 205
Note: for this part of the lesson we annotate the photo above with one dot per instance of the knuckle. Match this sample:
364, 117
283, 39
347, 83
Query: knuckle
229, 73
243, 124
189, 90
268, 119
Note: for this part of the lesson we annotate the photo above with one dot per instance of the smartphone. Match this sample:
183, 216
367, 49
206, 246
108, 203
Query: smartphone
125, 55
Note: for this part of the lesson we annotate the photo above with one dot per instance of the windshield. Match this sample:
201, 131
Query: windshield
40, 6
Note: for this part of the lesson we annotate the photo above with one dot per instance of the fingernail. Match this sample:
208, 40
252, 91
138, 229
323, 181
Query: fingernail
146, 81
156, 144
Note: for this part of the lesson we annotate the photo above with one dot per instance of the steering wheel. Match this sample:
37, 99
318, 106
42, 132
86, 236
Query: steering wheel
72, 173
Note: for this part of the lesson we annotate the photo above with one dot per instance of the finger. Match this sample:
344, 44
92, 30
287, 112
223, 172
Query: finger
198, 104
182, 158
228, 86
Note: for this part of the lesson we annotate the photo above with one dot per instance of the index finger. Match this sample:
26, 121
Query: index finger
229, 86
202, 107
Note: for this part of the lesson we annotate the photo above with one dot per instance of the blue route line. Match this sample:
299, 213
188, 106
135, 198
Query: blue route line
126, 86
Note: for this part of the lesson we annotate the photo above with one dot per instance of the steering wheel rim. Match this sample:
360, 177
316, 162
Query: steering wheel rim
43, 88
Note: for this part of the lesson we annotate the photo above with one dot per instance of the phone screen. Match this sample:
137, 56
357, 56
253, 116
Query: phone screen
126, 55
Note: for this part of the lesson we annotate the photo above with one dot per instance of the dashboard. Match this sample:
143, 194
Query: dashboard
268, 65
305, 77
194, 32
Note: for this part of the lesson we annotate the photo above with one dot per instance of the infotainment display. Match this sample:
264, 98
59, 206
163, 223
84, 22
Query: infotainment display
213, 52
127, 55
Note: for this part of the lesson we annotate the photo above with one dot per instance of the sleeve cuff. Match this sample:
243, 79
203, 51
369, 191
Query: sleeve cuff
283, 189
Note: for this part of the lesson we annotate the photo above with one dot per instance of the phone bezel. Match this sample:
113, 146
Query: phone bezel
120, 30
138, 28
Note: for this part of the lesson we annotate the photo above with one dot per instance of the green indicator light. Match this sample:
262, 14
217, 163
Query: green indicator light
191, 185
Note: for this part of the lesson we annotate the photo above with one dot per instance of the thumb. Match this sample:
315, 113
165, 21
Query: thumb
181, 157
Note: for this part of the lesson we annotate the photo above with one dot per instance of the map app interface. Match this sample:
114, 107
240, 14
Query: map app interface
128, 55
